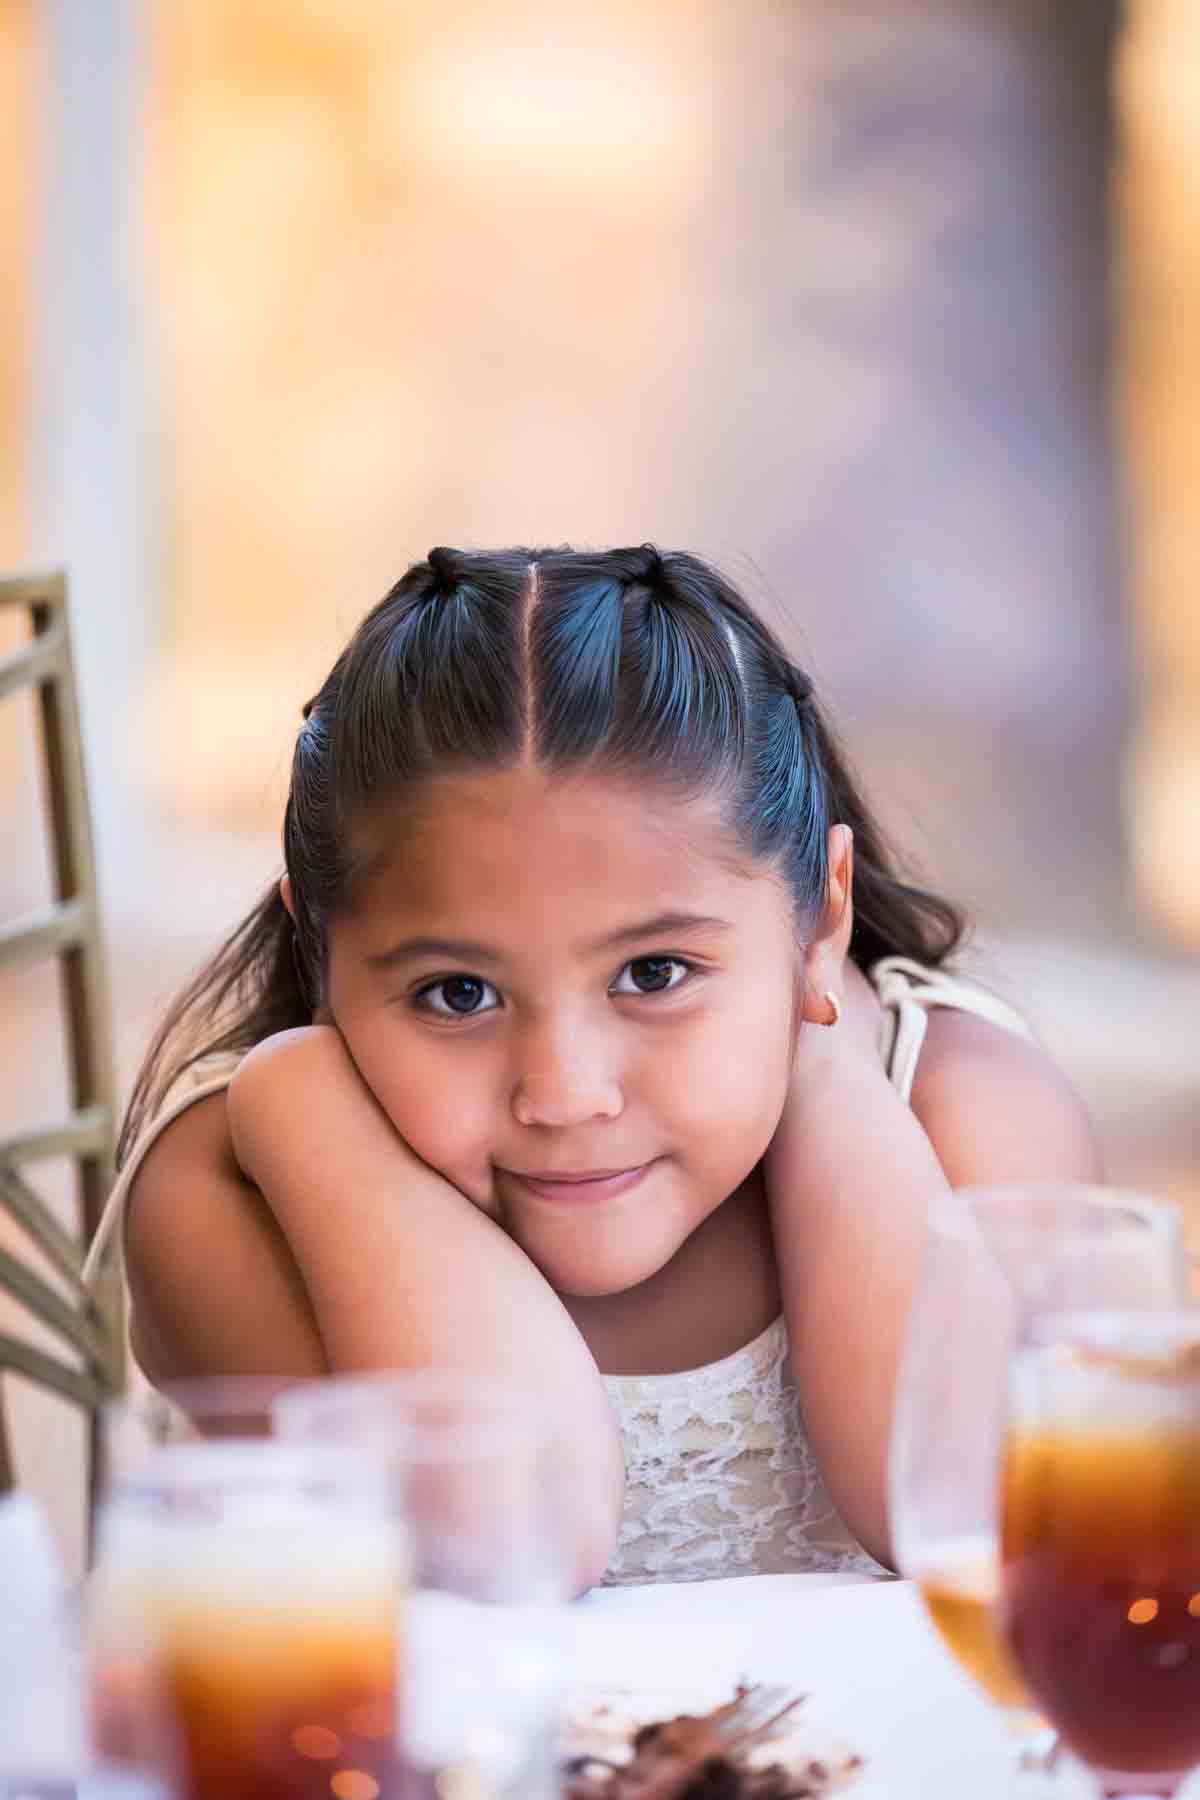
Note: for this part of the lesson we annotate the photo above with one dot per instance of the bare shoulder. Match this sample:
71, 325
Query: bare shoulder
996, 1107
213, 1285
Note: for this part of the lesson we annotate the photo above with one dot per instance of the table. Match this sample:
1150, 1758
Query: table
865, 1652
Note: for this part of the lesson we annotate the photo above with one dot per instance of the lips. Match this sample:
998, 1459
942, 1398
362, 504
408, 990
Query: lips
578, 1187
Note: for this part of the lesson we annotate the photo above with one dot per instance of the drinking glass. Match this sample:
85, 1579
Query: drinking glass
119, 1661
255, 1584
1100, 1546
479, 1487
996, 1259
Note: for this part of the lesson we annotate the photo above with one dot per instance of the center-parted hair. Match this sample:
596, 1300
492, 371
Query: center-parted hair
644, 664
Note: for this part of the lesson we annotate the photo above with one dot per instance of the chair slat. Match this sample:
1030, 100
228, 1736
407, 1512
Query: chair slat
29, 664
31, 1213
91, 1322
73, 1384
85, 1133
8, 1477
49, 588
74, 1326
45, 932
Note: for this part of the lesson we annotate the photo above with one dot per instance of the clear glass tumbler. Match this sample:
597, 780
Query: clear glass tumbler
475, 1471
252, 1588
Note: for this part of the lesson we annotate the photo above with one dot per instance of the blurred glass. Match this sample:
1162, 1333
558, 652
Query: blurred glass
481, 1494
243, 1622
996, 1260
1101, 1540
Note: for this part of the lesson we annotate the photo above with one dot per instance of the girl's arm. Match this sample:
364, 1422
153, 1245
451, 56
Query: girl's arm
403, 1272
851, 1174
213, 1287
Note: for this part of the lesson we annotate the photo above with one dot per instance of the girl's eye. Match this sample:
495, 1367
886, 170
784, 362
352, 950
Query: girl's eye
458, 996
650, 975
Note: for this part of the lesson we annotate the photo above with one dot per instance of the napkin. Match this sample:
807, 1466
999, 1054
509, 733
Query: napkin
41, 1700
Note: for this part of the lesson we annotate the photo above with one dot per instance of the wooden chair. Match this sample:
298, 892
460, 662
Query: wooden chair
47, 1284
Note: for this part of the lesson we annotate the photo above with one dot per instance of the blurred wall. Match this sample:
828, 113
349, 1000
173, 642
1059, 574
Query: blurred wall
1159, 200
21, 196
18, 202
819, 291
46, 1433
19, 199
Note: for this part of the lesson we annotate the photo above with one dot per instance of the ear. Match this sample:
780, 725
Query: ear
825, 955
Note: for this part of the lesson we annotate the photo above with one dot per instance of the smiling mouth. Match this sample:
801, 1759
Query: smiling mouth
577, 1187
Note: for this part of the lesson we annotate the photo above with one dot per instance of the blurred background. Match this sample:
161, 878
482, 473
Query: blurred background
890, 308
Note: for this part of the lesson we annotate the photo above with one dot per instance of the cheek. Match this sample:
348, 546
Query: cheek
441, 1104
729, 1078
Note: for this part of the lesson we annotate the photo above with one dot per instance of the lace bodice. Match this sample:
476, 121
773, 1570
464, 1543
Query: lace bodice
719, 1477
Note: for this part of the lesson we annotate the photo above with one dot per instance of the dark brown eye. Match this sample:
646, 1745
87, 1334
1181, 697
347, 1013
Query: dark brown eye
457, 996
652, 974
463, 993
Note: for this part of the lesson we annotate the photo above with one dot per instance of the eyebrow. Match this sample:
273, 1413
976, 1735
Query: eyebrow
468, 951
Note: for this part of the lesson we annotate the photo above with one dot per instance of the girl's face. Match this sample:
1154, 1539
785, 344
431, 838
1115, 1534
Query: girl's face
578, 1001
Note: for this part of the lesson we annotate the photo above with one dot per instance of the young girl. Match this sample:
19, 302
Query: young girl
590, 1038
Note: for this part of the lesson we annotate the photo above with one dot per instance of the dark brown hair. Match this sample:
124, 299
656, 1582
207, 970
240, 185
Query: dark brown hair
629, 660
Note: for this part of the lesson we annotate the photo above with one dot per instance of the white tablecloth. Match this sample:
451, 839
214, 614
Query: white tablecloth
866, 1654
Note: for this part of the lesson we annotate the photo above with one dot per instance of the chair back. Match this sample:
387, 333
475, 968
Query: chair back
41, 1262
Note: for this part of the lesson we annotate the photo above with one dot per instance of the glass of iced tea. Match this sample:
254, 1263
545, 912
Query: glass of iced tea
480, 1485
120, 1672
261, 1582
996, 1259
1100, 1547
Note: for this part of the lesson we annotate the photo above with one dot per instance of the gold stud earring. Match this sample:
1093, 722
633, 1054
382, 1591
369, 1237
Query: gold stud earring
835, 1007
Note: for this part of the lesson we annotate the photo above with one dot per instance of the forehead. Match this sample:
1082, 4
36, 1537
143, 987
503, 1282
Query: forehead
462, 847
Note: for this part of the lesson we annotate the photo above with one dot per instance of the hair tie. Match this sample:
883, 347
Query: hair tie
650, 572
445, 573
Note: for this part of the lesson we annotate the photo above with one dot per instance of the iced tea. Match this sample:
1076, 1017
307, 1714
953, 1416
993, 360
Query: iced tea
1101, 1587
960, 1591
251, 1592
266, 1713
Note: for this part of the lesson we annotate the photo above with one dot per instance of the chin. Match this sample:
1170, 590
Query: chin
594, 1276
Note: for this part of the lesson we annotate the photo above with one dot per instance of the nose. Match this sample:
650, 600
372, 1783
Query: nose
565, 1081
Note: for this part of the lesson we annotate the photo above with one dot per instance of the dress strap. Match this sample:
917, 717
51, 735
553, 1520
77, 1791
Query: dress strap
907, 991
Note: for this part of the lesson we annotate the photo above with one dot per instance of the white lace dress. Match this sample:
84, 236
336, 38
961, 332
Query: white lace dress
719, 1476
